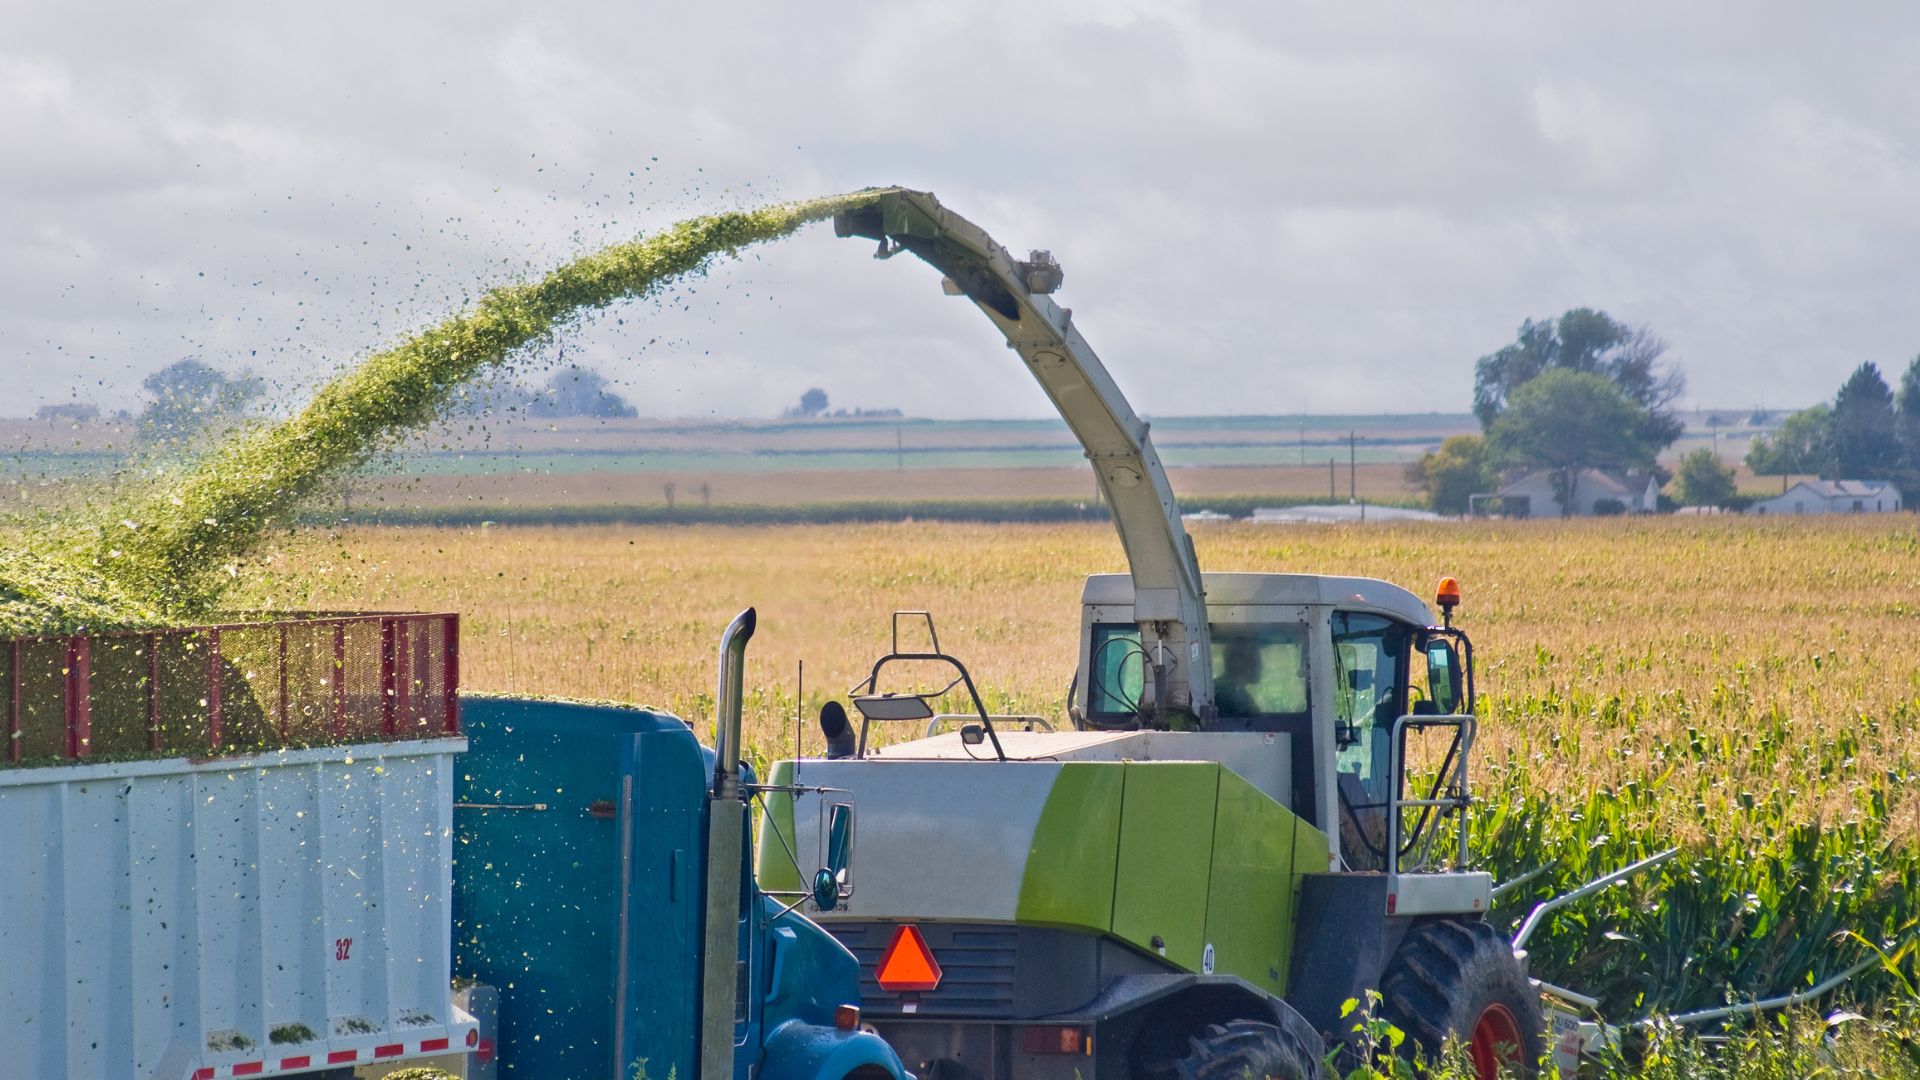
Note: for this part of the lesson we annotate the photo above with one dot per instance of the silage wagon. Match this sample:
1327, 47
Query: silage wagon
266, 848
224, 850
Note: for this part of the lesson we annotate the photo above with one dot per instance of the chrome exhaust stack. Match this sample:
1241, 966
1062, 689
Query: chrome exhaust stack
727, 698
720, 978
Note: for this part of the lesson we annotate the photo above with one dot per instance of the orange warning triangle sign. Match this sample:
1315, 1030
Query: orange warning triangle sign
908, 964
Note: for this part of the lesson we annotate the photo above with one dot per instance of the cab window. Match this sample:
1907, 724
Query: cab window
1119, 670
1260, 671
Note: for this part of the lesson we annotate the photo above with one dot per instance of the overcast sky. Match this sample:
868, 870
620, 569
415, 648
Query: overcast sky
1260, 207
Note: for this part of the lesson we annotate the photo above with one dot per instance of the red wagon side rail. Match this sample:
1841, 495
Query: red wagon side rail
237, 687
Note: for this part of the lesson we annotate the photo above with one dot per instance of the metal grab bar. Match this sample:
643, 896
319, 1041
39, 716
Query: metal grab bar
1458, 797
934, 722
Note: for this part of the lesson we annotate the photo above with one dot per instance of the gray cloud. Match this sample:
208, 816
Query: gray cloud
1260, 207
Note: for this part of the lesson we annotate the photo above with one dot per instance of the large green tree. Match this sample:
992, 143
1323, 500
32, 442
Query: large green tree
1703, 480
1454, 473
1906, 407
190, 395
1570, 421
1803, 444
1866, 442
1585, 341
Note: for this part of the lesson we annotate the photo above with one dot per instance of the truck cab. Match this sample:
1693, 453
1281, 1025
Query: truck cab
582, 876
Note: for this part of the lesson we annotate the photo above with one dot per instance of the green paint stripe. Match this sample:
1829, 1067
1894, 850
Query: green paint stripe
772, 865
1070, 874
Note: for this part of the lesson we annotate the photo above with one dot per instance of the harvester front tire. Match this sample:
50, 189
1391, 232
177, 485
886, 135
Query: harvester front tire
1455, 977
1247, 1048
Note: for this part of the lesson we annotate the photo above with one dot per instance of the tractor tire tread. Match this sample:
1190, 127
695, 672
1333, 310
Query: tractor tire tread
1247, 1048
1445, 973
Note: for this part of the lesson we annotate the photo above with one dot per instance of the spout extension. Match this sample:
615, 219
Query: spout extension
839, 732
728, 697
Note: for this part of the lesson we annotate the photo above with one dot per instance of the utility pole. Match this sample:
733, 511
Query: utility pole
1333, 483
1353, 469
899, 450
1303, 446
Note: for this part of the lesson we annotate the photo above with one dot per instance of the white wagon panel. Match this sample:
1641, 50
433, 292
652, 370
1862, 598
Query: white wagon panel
246, 916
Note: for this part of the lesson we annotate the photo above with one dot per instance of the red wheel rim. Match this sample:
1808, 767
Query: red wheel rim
1495, 1042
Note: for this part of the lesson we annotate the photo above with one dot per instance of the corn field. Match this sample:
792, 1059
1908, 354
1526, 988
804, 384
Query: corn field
1745, 690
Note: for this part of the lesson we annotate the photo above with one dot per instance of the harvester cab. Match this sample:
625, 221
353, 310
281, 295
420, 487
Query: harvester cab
1238, 827
1386, 675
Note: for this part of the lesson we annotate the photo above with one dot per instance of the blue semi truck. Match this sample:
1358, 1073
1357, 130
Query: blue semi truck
603, 889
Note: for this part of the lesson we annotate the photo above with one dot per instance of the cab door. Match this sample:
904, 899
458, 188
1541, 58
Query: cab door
1370, 654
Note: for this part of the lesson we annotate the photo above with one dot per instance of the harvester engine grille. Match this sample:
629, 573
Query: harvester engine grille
976, 968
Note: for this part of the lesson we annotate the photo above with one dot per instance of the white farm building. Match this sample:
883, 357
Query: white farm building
1536, 494
1833, 497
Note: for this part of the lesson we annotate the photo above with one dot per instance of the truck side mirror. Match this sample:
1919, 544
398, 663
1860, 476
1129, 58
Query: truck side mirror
1444, 677
834, 881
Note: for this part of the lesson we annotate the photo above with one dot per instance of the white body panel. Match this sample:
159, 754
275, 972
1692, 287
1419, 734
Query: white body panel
936, 857
254, 916
1464, 892
1261, 759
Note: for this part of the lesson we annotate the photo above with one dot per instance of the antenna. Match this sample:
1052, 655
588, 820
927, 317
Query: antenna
799, 714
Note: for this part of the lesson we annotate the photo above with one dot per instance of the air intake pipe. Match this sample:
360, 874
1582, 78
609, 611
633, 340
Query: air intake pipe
720, 977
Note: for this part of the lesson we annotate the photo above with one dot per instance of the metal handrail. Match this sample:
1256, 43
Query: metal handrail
934, 721
872, 684
1460, 798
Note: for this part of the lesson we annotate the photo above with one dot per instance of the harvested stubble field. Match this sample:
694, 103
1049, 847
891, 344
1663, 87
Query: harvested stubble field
1745, 688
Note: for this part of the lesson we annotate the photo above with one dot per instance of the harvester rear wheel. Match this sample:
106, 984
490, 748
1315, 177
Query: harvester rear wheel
1247, 1049
1455, 977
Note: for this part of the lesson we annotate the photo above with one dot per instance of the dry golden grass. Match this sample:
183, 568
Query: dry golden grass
1650, 627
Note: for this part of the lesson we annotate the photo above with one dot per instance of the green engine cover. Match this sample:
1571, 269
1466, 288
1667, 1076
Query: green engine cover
1183, 859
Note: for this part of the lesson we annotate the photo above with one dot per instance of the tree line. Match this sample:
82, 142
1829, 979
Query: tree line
1869, 432
1583, 391
189, 398
1586, 391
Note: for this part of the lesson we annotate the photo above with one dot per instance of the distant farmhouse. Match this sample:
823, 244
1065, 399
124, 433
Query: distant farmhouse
1595, 491
1833, 497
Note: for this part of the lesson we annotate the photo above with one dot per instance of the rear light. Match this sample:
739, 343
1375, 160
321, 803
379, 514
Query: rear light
473, 1038
847, 1017
1056, 1039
